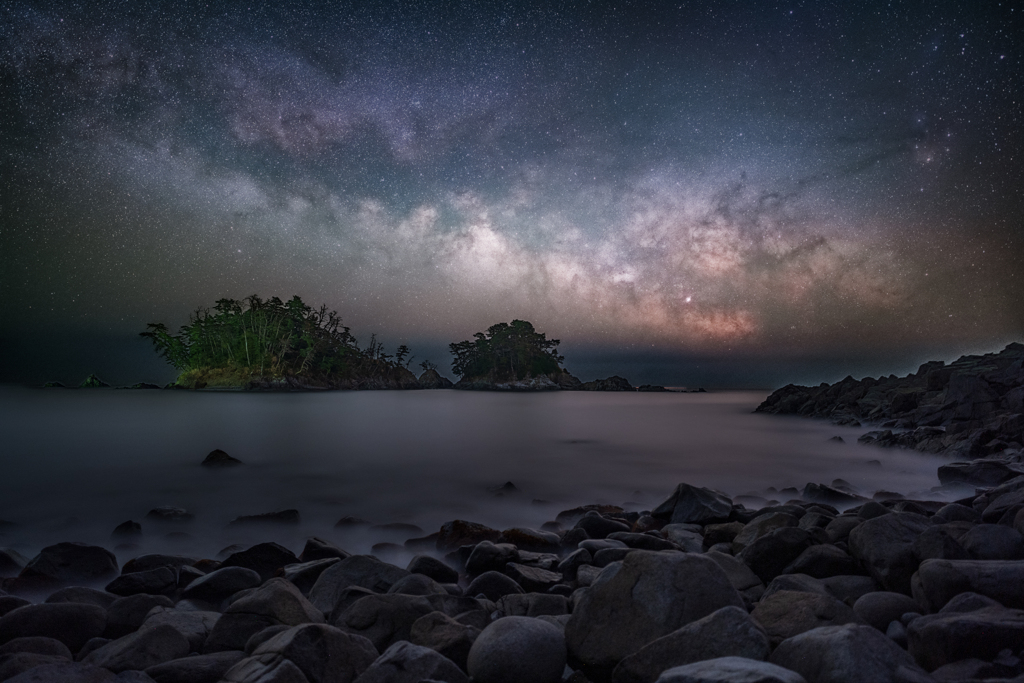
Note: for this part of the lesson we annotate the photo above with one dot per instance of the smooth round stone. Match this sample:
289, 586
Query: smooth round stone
518, 650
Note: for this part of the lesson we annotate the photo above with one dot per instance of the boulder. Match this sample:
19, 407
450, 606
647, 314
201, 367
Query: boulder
493, 585
39, 645
796, 582
982, 473
728, 632
305, 574
849, 588
140, 650
405, 662
531, 540
289, 516
66, 672
993, 542
769, 555
968, 602
740, 575
823, 561
218, 459
264, 558
851, 653
880, 608
598, 526
319, 549
126, 615
761, 525
938, 581
518, 650
221, 583
384, 619
457, 533
886, 547
323, 653
785, 614
275, 602
938, 543
363, 571
938, 639
72, 623
693, 505
839, 528
444, 635
531, 578
646, 596
13, 664
11, 602
144, 563
488, 557
533, 605
572, 561
432, 567
196, 669
195, 625
159, 581
730, 670
82, 594
266, 669
70, 563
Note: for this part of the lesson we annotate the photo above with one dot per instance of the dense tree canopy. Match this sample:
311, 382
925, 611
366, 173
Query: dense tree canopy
506, 351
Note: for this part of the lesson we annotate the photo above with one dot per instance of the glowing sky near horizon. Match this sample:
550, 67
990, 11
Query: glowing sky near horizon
703, 177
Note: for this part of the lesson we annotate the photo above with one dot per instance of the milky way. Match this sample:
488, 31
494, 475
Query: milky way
704, 179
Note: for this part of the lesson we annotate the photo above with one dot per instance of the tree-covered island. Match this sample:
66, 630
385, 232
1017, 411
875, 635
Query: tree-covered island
270, 344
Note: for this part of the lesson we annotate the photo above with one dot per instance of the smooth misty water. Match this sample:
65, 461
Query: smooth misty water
78, 462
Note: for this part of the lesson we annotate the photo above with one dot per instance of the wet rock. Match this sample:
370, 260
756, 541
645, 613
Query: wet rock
160, 581
1002, 505
720, 533
494, 585
417, 584
648, 595
728, 632
384, 619
487, 557
993, 542
194, 625
938, 581
218, 459
844, 654
71, 623
820, 493
880, 608
196, 669
70, 563
567, 567
886, 547
322, 653
140, 650
769, 555
823, 561
518, 650
126, 615
220, 583
457, 533
785, 614
275, 602
938, 639
405, 662
305, 574
586, 574
693, 505
363, 571
432, 567
730, 670
444, 635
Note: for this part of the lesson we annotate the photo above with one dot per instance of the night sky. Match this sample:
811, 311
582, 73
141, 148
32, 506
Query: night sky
729, 193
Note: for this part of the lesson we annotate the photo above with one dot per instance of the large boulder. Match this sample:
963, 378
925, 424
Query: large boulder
646, 596
384, 619
728, 632
493, 586
323, 653
984, 473
196, 669
693, 505
82, 594
72, 623
66, 672
518, 650
938, 639
993, 542
275, 602
221, 583
823, 561
144, 563
938, 581
880, 608
761, 525
490, 557
432, 567
39, 645
305, 574
159, 581
444, 635
70, 563
769, 555
195, 625
457, 533
140, 650
363, 571
319, 549
785, 614
850, 653
730, 670
405, 662
126, 615
264, 558
886, 547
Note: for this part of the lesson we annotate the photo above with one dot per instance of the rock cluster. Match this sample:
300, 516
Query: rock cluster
699, 589
971, 408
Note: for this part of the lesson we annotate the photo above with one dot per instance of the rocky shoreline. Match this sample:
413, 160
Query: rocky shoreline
700, 588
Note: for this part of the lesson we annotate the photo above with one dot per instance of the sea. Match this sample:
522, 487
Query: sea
76, 463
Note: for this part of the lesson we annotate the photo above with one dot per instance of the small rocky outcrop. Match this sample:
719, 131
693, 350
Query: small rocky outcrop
218, 458
432, 379
613, 383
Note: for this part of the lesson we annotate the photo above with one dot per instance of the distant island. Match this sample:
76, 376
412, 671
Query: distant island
270, 344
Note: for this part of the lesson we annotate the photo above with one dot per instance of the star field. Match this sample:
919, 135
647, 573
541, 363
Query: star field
702, 178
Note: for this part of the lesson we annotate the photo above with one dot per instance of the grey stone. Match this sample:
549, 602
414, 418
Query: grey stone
785, 614
405, 662
140, 650
72, 623
769, 555
487, 557
65, 672
573, 560
968, 602
39, 645
432, 567
364, 571
762, 525
823, 561
532, 578
260, 637
955, 512
730, 670
127, 614
264, 558
159, 581
740, 575
531, 540
796, 582
993, 542
384, 619
275, 602
11, 602
195, 625
598, 526
693, 505
586, 574
457, 533
850, 653
493, 585
265, 669
938, 639
880, 608
144, 563
71, 563
518, 650
82, 594
849, 588
648, 595
417, 584
15, 663
938, 581
323, 653
444, 635
221, 583
728, 632
195, 669
642, 541
938, 543
604, 557
839, 528
533, 604
319, 549
886, 547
